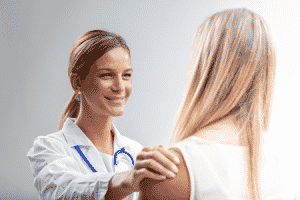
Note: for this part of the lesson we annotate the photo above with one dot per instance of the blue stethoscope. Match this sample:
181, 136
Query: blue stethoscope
115, 157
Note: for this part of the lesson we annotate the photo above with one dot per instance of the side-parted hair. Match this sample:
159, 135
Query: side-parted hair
232, 75
86, 50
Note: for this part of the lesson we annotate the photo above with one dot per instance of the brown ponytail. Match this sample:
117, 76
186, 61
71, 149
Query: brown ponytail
71, 110
86, 50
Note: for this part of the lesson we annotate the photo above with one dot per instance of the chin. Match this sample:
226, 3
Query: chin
117, 112
117, 115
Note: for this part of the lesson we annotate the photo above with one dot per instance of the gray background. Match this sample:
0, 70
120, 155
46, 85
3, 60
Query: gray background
34, 87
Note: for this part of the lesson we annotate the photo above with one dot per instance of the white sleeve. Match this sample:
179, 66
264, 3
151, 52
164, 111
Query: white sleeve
57, 175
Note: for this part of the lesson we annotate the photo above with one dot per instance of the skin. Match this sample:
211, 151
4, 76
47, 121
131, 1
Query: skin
176, 188
109, 77
104, 94
223, 132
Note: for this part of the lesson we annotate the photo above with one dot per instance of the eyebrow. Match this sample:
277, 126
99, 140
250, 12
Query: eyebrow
109, 69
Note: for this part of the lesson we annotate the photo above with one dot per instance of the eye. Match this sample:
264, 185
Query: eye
105, 75
127, 75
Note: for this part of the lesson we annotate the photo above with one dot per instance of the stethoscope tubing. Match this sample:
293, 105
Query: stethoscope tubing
122, 151
115, 157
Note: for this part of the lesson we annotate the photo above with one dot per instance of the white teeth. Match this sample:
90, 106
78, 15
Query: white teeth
115, 99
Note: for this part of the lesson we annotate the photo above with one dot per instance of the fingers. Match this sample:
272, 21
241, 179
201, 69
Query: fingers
165, 152
148, 174
135, 176
154, 167
162, 156
159, 158
169, 155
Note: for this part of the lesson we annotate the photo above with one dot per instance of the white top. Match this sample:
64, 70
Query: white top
217, 171
59, 170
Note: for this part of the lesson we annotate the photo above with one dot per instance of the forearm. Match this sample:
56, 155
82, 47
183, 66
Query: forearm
118, 186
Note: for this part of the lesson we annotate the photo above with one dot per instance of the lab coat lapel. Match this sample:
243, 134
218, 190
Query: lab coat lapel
123, 161
74, 136
96, 160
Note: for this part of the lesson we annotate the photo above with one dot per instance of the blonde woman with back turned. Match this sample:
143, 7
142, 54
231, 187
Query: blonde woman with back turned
223, 115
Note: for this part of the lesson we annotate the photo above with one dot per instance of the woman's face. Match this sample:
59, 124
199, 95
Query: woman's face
108, 85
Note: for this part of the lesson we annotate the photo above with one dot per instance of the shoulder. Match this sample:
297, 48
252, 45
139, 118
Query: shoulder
176, 188
56, 136
54, 140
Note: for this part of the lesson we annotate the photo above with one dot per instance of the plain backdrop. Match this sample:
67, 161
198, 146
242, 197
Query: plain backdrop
35, 44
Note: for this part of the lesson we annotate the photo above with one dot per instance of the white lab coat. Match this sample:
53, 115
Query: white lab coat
60, 172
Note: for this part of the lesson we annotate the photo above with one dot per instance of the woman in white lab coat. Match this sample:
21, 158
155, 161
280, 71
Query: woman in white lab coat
88, 157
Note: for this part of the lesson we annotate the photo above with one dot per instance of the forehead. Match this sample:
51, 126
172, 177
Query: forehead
117, 58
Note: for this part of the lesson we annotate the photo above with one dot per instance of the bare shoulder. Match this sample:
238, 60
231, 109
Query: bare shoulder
176, 188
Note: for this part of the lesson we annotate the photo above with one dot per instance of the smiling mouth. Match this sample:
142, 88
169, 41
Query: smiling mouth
114, 98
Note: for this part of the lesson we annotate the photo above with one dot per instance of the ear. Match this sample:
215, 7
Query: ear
75, 81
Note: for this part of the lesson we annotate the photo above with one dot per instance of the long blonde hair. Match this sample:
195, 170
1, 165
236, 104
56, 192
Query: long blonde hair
232, 74
89, 47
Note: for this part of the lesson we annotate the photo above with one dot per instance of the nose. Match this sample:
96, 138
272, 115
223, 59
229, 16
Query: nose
118, 85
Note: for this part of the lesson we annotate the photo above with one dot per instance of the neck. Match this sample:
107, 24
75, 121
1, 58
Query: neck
96, 127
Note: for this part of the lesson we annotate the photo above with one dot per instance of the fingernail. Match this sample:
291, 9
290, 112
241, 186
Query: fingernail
177, 160
175, 168
172, 174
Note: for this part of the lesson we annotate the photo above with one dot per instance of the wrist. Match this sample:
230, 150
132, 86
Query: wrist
128, 182
119, 186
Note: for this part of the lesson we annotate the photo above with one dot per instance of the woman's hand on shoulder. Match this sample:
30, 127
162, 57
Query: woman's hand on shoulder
153, 162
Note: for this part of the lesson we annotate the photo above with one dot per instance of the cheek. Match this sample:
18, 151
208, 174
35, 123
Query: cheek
95, 87
128, 89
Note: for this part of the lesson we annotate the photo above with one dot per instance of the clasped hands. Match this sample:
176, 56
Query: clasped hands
153, 162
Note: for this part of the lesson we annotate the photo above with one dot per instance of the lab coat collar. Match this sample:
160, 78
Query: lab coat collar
74, 136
